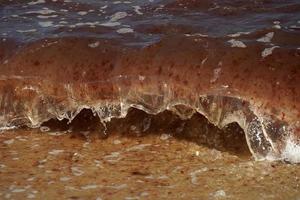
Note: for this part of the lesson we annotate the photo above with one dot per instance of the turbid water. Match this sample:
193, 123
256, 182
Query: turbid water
231, 61
140, 157
219, 79
40, 166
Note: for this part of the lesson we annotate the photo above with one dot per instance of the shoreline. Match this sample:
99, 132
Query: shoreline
38, 165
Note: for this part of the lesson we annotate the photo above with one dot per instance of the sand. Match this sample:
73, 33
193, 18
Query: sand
47, 166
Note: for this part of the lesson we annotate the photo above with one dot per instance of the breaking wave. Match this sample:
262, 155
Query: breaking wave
32, 105
230, 61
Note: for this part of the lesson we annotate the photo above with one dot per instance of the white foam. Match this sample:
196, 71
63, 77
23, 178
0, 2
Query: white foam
194, 178
46, 24
267, 38
31, 196
118, 187
111, 24
82, 13
8, 142
164, 136
41, 12
18, 190
238, 34
217, 72
76, 171
44, 129
55, 152
219, 193
195, 34
94, 45
113, 157
2, 166
236, 43
88, 187
276, 25
125, 30
26, 31
268, 51
64, 179
137, 10
86, 24
138, 147
46, 16
203, 61
56, 133
36, 2
117, 16
141, 78
291, 152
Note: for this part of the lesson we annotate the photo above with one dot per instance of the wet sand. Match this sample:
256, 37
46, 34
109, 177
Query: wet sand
230, 61
204, 88
46, 166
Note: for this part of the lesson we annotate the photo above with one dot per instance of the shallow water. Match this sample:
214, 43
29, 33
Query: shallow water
148, 21
216, 84
58, 48
40, 165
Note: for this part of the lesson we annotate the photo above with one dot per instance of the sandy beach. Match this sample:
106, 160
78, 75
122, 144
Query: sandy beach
36, 165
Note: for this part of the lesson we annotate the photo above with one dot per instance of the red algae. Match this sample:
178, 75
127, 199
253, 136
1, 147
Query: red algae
110, 61
40, 83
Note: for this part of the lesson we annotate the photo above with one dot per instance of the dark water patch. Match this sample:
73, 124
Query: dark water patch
230, 61
37, 20
138, 123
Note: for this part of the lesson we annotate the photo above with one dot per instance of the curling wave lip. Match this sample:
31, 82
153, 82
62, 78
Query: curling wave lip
58, 81
229, 61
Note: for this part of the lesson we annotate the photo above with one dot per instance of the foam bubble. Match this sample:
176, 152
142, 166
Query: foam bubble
26, 31
8, 142
44, 11
137, 10
56, 152
237, 43
94, 45
82, 13
195, 34
267, 38
238, 34
217, 72
87, 187
291, 152
111, 24
46, 24
125, 30
117, 16
46, 16
219, 193
268, 51
194, 178
36, 2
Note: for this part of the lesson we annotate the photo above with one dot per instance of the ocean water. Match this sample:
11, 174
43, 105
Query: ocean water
230, 61
149, 99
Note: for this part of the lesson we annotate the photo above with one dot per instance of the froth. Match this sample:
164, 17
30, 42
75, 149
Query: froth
291, 152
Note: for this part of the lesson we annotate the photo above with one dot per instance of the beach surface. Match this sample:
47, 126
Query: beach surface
36, 165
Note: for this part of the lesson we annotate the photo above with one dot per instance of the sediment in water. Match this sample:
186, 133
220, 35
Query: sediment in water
57, 78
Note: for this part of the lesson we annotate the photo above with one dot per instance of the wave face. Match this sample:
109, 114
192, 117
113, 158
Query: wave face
231, 61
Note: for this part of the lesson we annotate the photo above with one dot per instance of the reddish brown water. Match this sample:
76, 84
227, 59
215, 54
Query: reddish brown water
39, 166
229, 71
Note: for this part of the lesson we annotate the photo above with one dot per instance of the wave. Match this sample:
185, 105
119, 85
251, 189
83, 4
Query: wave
57, 78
